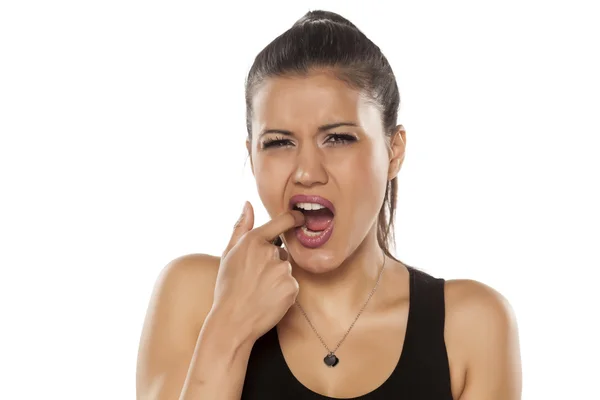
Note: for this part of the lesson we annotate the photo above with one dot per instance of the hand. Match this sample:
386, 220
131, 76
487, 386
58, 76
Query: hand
254, 285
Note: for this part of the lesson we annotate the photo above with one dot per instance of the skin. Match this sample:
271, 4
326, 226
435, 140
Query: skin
480, 333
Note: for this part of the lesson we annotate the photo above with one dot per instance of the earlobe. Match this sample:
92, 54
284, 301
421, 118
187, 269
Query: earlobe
394, 169
398, 147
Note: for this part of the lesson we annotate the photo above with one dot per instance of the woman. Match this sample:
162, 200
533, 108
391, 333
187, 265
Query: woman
333, 314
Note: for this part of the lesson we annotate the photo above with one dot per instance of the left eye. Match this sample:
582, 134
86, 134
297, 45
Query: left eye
340, 138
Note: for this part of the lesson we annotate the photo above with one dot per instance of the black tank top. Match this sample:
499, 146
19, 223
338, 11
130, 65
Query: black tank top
422, 372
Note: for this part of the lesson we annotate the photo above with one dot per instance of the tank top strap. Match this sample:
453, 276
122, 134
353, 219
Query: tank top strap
424, 344
427, 305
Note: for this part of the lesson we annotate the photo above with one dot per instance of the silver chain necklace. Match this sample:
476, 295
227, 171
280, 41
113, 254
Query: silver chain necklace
331, 359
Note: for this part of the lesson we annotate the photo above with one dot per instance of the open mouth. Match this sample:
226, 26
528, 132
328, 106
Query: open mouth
318, 215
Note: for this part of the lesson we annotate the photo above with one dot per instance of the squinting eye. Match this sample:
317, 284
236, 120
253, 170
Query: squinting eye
276, 143
341, 138
335, 139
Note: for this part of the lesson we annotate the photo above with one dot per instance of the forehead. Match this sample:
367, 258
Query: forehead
303, 102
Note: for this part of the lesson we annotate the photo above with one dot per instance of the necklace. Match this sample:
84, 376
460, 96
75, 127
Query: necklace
331, 360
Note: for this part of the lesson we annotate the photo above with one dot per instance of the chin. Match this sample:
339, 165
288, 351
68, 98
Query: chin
314, 260
315, 268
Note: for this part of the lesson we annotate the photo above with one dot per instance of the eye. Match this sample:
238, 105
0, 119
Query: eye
277, 141
340, 138
335, 139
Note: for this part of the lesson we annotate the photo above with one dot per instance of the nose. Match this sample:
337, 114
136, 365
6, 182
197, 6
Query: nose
310, 170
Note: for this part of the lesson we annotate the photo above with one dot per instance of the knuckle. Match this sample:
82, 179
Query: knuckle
281, 271
295, 285
285, 267
292, 290
245, 237
287, 280
274, 265
267, 252
250, 235
253, 239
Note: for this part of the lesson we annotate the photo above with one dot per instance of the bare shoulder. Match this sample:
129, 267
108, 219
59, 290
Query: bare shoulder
471, 305
189, 280
482, 341
181, 299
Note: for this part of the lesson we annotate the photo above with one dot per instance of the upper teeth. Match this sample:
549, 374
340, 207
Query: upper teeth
309, 206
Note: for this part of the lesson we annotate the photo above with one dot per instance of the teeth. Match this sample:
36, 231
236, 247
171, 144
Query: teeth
309, 232
309, 206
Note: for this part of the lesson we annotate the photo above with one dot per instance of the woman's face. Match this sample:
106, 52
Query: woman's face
316, 136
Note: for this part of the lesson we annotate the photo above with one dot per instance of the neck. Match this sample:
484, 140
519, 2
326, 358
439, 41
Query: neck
345, 288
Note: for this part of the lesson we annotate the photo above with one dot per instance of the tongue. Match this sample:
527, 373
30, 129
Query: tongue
318, 220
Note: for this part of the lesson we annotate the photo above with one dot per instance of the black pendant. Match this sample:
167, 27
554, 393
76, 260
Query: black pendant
331, 360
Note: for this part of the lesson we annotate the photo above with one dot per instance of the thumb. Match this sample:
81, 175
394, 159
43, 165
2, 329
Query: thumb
244, 224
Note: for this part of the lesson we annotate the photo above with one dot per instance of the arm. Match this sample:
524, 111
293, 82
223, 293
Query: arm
206, 314
218, 366
186, 350
486, 325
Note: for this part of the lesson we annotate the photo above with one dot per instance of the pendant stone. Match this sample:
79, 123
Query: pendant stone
331, 360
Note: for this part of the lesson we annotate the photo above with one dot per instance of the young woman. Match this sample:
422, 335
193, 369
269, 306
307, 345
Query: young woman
332, 314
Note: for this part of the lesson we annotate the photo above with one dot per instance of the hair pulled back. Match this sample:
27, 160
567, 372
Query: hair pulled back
326, 40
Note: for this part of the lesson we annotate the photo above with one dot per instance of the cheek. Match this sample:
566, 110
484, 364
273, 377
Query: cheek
370, 190
364, 186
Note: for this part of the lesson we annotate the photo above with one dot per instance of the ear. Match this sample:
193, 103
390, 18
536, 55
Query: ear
397, 149
249, 148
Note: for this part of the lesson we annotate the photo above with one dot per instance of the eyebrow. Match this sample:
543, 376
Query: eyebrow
322, 128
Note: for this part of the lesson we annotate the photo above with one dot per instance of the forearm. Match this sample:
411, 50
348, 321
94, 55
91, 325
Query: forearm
218, 366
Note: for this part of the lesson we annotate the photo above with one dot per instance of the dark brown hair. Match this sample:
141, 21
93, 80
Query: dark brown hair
323, 39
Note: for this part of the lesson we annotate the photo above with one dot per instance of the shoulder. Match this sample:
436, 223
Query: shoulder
180, 301
190, 266
482, 340
474, 305
182, 296
189, 281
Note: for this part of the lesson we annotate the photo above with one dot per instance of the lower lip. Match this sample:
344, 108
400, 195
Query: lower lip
312, 242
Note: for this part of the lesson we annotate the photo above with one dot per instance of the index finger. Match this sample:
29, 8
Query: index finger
280, 224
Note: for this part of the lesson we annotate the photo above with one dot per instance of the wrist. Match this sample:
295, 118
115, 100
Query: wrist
222, 348
227, 330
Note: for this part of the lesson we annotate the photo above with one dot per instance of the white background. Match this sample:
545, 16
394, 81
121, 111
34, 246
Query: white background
122, 147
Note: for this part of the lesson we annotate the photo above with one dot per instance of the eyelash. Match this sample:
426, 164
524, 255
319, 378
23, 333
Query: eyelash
340, 138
